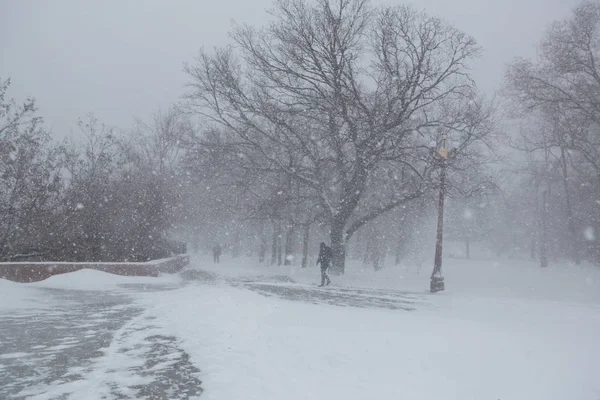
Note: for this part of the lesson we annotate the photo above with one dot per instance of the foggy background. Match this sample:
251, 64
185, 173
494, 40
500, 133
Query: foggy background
123, 59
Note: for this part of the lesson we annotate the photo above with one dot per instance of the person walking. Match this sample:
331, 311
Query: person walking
325, 260
216, 253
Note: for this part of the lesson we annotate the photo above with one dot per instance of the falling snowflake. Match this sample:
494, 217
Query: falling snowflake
468, 214
79, 206
589, 234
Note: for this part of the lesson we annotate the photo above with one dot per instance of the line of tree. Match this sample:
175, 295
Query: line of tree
99, 197
556, 101
325, 124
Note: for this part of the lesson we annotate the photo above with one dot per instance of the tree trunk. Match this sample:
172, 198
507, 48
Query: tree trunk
338, 247
237, 243
262, 246
358, 240
400, 247
377, 256
467, 247
289, 246
279, 258
544, 236
262, 249
351, 194
368, 245
274, 245
574, 243
305, 242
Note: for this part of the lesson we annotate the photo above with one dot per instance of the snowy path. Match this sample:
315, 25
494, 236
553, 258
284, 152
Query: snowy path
286, 288
91, 338
76, 341
344, 297
41, 346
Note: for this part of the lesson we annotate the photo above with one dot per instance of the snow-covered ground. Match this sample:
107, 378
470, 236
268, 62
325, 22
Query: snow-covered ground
474, 277
502, 330
82, 336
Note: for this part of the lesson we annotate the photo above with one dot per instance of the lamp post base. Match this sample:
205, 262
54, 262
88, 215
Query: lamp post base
437, 284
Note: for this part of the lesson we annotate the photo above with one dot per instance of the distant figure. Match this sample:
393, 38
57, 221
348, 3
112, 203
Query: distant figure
324, 259
216, 253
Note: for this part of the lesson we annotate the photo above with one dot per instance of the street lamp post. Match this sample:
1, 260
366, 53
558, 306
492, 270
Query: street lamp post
437, 279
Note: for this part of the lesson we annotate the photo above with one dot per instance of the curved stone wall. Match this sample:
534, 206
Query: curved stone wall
38, 271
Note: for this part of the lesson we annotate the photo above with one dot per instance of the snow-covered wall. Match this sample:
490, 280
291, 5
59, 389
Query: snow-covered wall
38, 271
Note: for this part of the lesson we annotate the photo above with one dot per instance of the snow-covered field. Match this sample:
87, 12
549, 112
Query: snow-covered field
502, 330
499, 332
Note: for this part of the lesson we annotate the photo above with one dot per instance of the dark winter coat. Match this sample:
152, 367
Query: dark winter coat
324, 257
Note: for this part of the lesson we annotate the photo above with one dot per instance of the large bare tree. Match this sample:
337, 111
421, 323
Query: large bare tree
331, 91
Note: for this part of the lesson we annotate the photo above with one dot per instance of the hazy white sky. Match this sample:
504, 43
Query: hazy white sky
123, 58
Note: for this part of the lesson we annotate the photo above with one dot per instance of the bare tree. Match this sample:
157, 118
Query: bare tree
331, 89
30, 184
156, 151
562, 89
91, 165
566, 78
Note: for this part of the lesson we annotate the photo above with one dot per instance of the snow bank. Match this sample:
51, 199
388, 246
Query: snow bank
17, 296
35, 272
124, 263
88, 279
